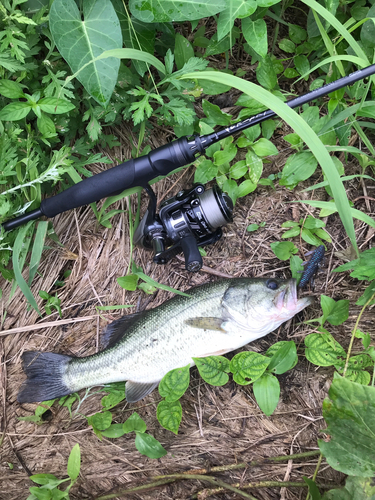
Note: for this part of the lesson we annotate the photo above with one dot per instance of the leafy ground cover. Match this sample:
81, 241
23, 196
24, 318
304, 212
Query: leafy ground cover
67, 112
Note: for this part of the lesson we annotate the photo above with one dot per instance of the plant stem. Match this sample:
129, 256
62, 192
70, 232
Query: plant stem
315, 473
200, 475
353, 333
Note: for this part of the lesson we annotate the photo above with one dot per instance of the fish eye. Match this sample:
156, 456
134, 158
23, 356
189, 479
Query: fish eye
272, 284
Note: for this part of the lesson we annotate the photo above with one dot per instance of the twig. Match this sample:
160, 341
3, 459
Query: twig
20, 459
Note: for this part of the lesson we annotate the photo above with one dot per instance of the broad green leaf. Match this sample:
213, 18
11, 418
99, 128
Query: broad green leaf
248, 366
15, 111
350, 416
152, 282
302, 65
335, 312
128, 282
267, 392
11, 89
235, 9
255, 166
213, 369
114, 431
322, 349
81, 41
46, 126
43, 478
297, 168
74, 462
297, 34
246, 187
296, 267
312, 223
238, 170
367, 295
255, 33
283, 249
164, 11
266, 74
149, 446
215, 115
101, 421
169, 415
226, 155
264, 147
134, 423
183, 51
313, 489
113, 399
287, 45
40, 494
356, 488
174, 383
55, 106
284, 359
205, 172
310, 237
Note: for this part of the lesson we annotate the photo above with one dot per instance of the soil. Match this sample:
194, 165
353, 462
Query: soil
221, 426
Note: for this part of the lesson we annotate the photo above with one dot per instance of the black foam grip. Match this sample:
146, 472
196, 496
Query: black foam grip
111, 181
193, 258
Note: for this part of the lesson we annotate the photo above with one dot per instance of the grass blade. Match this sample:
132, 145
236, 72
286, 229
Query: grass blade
357, 214
18, 258
38, 246
304, 131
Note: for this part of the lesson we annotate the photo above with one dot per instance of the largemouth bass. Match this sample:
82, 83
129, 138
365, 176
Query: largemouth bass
141, 348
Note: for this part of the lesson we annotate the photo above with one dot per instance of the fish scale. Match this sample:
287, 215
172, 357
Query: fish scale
216, 318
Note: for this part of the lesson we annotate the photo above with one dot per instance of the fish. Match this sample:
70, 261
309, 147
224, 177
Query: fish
312, 265
215, 318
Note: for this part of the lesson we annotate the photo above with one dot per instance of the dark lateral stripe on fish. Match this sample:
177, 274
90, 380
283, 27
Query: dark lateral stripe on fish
312, 266
44, 372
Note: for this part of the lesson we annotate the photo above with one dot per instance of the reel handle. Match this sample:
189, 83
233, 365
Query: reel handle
193, 258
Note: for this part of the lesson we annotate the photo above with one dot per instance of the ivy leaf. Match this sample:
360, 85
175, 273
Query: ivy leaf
267, 392
174, 383
80, 41
169, 415
248, 367
149, 446
213, 369
235, 9
322, 349
350, 416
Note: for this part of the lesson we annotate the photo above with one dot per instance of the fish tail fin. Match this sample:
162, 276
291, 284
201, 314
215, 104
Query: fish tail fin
45, 371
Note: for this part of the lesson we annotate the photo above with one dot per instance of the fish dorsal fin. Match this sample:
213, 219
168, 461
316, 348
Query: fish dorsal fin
134, 391
206, 323
118, 329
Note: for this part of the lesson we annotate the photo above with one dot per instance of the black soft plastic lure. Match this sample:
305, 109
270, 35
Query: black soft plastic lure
312, 266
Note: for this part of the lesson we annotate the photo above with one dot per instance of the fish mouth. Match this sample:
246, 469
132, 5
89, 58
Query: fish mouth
287, 298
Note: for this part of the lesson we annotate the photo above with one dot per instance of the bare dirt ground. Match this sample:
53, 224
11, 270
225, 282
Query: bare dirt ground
221, 426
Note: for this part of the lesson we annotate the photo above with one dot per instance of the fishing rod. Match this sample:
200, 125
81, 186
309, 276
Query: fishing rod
192, 218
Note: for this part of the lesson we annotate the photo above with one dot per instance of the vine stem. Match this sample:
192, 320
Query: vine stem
200, 474
353, 333
315, 473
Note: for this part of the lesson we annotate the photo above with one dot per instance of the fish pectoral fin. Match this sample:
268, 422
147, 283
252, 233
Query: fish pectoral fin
134, 391
206, 323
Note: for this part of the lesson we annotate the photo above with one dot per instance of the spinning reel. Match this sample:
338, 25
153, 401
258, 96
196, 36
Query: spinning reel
191, 219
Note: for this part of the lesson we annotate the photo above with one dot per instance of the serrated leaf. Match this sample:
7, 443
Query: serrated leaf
80, 41
164, 11
149, 446
322, 349
267, 392
213, 369
169, 415
350, 416
248, 367
74, 462
134, 423
174, 383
